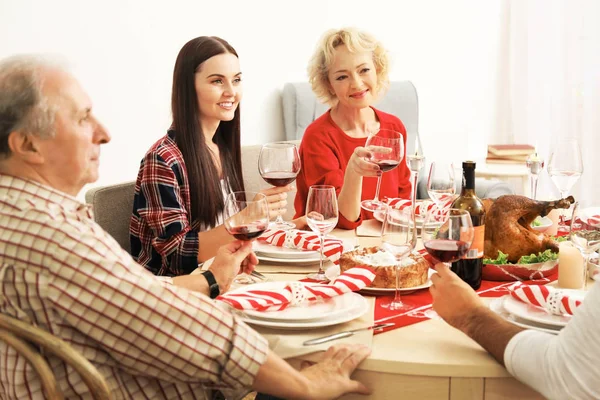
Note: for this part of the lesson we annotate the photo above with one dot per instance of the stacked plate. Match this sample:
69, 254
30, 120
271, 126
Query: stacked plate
529, 316
306, 315
269, 253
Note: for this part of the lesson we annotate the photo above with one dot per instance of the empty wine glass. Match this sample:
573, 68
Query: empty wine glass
565, 167
585, 234
387, 150
279, 164
321, 217
440, 183
447, 235
398, 238
246, 218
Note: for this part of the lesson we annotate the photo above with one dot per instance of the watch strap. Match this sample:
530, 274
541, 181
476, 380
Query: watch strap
213, 286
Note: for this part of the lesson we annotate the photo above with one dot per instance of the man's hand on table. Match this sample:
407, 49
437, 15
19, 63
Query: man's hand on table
330, 377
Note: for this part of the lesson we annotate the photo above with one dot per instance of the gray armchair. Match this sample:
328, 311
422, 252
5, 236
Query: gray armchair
301, 108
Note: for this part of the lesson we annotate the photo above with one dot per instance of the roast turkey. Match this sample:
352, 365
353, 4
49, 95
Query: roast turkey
508, 226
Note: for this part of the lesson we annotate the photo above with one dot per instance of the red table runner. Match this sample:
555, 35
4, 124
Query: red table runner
422, 301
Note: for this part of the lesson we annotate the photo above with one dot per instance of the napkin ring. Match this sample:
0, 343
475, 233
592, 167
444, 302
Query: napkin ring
289, 239
298, 293
553, 302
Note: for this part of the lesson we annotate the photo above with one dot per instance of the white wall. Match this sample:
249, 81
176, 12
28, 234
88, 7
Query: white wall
124, 52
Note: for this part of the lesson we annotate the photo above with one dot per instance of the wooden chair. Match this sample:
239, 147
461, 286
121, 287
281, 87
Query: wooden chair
17, 333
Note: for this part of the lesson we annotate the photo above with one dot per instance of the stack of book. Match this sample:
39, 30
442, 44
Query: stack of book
508, 153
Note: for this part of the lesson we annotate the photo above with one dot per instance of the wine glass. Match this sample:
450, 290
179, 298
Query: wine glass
279, 164
321, 217
565, 167
447, 235
387, 150
440, 183
535, 164
585, 235
246, 218
398, 238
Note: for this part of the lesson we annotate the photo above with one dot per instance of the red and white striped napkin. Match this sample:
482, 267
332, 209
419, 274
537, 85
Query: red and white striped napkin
555, 301
295, 239
422, 207
294, 293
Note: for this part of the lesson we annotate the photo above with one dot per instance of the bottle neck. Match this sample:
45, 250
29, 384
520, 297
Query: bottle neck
468, 186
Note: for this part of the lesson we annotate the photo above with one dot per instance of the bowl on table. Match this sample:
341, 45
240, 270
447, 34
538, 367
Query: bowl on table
541, 224
519, 272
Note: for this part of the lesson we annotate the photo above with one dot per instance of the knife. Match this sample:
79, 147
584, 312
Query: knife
346, 334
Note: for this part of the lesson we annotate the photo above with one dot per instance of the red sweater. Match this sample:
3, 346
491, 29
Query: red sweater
325, 151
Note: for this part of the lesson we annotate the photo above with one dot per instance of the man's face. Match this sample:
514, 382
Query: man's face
71, 157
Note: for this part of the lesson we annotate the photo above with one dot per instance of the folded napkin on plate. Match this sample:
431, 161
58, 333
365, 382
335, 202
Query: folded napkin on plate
294, 293
422, 207
295, 239
555, 301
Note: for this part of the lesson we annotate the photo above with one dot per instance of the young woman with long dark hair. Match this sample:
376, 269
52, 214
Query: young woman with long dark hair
184, 178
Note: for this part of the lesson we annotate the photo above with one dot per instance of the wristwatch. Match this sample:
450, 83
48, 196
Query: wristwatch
213, 286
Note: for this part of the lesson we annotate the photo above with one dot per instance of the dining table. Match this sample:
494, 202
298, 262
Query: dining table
425, 360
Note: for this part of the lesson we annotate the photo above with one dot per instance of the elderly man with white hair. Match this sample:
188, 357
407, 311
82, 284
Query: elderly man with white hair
149, 337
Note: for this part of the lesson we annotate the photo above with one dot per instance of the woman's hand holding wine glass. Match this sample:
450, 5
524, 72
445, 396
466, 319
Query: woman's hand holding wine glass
279, 164
322, 217
246, 218
386, 150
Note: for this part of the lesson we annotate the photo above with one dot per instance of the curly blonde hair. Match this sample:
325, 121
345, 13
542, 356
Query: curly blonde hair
356, 41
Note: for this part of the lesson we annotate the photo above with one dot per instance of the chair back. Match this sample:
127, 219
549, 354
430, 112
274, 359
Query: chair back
301, 107
113, 206
19, 334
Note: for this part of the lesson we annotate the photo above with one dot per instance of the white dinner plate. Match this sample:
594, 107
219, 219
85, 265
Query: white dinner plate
310, 311
313, 258
497, 306
310, 324
537, 314
334, 271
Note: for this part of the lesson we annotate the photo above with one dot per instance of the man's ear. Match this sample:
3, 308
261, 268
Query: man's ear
25, 146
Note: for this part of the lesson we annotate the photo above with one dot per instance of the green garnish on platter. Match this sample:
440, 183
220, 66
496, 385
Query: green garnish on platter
542, 256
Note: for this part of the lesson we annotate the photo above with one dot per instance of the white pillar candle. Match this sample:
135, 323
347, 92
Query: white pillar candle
554, 216
570, 267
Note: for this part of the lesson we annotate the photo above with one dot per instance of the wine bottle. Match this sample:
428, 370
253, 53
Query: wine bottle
469, 268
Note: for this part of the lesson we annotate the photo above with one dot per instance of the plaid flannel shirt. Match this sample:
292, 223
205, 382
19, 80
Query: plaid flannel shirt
61, 271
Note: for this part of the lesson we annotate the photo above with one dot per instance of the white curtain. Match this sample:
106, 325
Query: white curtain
549, 83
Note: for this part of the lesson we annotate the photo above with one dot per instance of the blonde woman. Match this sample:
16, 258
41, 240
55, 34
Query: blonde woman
348, 71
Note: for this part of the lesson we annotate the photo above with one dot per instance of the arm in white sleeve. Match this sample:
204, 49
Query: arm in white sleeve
566, 366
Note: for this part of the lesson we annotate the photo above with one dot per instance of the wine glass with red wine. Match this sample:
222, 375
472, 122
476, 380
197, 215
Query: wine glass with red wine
447, 234
387, 150
246, 218
279, 164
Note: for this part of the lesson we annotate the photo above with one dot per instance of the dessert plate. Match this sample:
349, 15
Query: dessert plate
334, 271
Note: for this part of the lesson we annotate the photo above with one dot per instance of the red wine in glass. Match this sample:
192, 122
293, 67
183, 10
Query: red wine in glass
247, 232
279, 178
387, 165
445, 250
